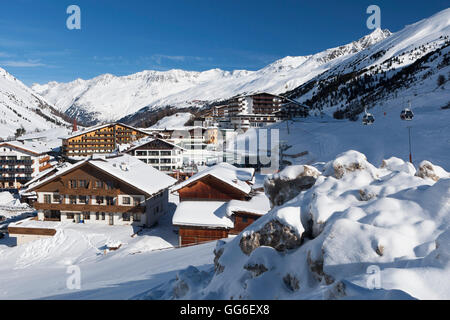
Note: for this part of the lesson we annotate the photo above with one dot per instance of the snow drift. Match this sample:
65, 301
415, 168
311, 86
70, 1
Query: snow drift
329, 242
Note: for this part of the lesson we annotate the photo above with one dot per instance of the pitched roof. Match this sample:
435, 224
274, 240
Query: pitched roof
125, 168
237, 178
142, 142
212, 214
258, 205
34, 147
101, 126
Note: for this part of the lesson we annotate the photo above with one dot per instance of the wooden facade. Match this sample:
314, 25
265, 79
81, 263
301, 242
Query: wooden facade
104, 139
91, 184
195, 235
209, 188
242, 220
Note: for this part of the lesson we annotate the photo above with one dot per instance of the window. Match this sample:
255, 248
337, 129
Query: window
73, 199
73, 184
143, 160
136, 201
82, 184
57, 198
126, 216
103, 216
47, 198
136, 217
141, 153
70, 215
153, 153
166, 153
109, 185
99, 199
97, 216
98, 184
126, 200
86, 216
244, 219
109, 201
83, 199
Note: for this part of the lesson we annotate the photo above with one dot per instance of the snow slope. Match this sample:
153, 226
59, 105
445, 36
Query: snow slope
22, 107
405, 66
360, 232
108, 97
38, 269
178, 120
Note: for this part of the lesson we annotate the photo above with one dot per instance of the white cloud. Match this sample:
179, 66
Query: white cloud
22, 64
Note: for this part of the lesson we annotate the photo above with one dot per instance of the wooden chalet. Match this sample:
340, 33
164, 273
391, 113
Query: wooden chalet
158, 153
114, 190
100, 139
214, 203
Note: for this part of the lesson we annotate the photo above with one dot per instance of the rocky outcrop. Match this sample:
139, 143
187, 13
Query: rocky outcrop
274, 234
291, 282
349, 162
287, 184
430, 171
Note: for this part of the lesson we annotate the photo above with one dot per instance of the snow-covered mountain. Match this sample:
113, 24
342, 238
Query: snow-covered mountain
413, 64
108, 97
21, 107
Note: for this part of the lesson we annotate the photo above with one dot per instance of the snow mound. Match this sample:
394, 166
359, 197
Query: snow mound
431, 171
348, 162
285, 185
6, 198
328, 243
396, 164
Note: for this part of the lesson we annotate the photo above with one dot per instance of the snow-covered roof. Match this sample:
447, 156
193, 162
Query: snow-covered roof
125, 168
34, 147
97, 127
211, 214
142, 142
235, 177
258, 205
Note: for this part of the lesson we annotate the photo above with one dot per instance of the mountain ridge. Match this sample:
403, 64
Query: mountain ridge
180, 88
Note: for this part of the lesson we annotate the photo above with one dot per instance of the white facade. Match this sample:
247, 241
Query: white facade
163, 160
155, 207
19, 165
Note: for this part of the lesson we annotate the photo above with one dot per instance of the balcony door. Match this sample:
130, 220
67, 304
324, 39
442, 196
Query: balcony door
111, 219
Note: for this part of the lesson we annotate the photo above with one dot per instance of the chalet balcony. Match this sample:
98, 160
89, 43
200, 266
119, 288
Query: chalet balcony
16, 162
44, 159
89, 208
16, 170
18, 179
89, 192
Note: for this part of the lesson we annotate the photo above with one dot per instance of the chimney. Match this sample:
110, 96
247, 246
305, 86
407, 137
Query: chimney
74, 126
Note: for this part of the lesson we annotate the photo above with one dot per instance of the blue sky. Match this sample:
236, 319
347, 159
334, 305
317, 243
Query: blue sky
124, 37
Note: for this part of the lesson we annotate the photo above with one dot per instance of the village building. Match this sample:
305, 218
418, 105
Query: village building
255, 110
214, 204
99, 139
21, 161
109, 189
160, 154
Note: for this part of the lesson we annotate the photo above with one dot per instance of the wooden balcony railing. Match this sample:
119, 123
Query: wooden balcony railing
88, 207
